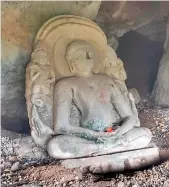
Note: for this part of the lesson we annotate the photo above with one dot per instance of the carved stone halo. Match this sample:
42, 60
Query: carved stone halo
59, 32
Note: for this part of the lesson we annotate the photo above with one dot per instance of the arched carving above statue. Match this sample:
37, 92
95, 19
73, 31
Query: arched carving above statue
59, 32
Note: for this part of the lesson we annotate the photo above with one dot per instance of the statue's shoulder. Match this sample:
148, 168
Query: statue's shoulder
116, 83
65, 83
104, 77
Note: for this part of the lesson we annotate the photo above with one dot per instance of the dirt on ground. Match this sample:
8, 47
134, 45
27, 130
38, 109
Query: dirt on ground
50, 173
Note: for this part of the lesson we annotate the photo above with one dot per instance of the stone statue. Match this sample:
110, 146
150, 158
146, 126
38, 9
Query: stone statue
78, 104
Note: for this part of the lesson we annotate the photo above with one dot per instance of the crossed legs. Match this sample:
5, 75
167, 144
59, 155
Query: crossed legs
65, 147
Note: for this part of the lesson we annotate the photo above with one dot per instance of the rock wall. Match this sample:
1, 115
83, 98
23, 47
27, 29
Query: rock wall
154, 31
117, 18
161, 89
20, 23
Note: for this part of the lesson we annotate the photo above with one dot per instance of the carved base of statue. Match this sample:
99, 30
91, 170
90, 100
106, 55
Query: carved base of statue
78, 104
118, 162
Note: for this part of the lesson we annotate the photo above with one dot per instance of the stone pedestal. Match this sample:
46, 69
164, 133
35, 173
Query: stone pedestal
118, 162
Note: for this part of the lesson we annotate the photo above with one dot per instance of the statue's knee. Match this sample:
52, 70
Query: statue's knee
147, 136
146, 132
140, 137
140, 131
55, 149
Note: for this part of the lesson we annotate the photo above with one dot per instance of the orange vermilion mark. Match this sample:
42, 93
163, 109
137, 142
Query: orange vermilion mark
110, 129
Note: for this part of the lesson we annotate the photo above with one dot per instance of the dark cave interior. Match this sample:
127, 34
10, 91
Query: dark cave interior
141, 59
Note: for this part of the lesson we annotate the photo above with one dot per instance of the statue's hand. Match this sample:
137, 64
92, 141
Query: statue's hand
127, 125
110, 138
35, 127
120, 131
103, 134
41, 129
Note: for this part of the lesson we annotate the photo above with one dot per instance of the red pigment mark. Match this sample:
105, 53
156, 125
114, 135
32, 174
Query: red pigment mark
109, 129
102, 95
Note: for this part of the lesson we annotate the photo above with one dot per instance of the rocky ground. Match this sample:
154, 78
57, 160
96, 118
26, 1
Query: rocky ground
43, 171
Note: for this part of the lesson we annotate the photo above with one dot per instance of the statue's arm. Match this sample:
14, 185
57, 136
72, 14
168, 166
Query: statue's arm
63, 96
125, 107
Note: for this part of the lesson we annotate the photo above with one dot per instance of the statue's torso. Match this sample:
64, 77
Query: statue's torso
92, 96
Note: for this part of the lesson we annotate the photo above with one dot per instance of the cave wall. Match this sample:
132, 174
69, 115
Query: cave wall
119, 17
161, 87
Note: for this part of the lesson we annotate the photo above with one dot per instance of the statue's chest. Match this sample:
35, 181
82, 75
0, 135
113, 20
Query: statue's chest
100, 92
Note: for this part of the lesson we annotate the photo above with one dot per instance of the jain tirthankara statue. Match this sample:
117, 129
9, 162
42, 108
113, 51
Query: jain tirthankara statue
77, 101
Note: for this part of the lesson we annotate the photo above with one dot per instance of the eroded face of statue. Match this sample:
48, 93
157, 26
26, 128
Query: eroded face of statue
79, 57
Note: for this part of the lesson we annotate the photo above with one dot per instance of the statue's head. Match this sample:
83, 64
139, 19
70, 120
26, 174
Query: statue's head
79, 56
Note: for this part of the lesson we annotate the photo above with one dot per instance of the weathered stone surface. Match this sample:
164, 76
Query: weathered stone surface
22, 147
28, 149
154, 31
115, 162
18, 32
113, 66
117, 18
161, 89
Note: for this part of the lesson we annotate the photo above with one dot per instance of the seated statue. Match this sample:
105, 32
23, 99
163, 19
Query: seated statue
107, 116
102, 106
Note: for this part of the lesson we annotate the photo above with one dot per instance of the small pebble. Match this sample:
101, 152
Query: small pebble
15, 167
120, 184
76, 178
